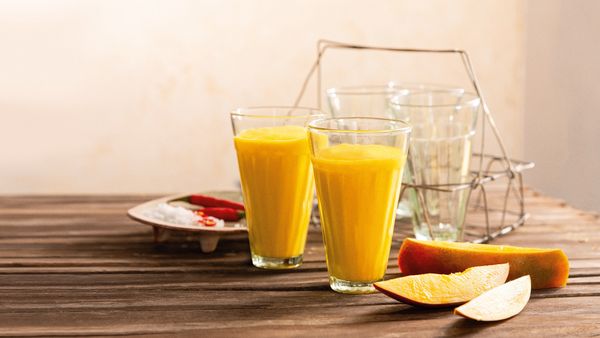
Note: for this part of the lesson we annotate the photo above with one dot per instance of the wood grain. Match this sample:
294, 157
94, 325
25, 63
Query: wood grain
77, 266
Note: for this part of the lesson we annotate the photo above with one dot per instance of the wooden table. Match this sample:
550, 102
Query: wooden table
77, 265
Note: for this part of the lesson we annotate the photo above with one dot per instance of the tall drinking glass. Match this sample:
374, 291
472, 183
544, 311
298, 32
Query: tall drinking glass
358, 165
277, 181
440, 153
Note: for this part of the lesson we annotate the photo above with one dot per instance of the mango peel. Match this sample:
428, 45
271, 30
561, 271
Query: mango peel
548, 268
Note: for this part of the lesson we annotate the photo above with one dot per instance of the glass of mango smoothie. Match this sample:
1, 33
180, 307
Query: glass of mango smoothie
358, 164
277, 181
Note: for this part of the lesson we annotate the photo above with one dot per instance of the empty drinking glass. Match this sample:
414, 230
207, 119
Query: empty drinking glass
443, 122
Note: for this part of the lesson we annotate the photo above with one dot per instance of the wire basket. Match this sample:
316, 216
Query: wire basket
499, 177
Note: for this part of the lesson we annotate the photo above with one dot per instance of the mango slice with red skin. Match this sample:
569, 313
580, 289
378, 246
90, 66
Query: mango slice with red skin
437, 290
548, 268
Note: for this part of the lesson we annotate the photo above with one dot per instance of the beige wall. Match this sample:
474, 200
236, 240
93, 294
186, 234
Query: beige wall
562, 103
133, 96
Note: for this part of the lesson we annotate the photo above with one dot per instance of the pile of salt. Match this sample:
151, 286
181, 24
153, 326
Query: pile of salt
178, 215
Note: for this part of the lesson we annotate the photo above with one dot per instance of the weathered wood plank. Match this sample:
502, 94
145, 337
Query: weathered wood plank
314, 293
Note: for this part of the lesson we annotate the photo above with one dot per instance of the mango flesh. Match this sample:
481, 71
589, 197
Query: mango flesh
548, 268
500, 303
436, 290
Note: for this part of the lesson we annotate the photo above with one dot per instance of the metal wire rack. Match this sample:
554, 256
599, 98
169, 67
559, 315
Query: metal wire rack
484, 221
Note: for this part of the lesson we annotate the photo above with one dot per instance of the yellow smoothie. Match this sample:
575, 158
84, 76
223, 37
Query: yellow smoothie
358, 188
278, 185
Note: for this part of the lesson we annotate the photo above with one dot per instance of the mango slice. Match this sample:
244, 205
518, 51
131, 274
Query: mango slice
548, 268
500, 303
435, 290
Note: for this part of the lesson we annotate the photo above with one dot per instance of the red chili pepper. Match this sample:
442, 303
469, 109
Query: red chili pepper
208, 222
209, 201
226, 214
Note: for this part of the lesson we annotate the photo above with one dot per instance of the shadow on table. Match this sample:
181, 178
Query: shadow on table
397, 311
463, 325
403, 312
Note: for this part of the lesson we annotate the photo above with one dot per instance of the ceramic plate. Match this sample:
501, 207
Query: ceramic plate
208, 236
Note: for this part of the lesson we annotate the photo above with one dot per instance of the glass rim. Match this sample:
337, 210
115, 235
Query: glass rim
246, 112
405, 129
473, 100
390, 87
